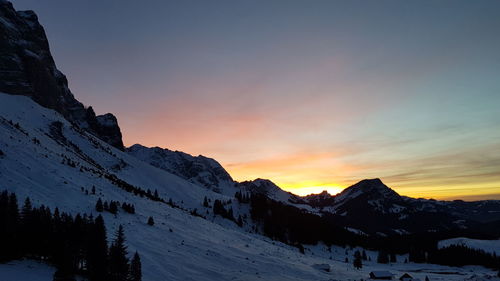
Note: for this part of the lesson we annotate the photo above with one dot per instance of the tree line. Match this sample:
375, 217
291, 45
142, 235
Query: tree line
460, 255
73, 244
292, 225
112, 206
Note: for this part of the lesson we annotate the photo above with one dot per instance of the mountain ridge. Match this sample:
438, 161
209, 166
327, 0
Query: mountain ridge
367, 205
197, 169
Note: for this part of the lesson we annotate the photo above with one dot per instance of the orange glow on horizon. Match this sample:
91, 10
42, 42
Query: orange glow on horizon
298, 182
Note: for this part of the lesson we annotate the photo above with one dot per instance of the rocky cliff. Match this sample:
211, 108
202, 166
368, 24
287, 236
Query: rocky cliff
27, 68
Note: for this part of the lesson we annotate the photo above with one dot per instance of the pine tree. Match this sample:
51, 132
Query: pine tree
230, 214
217, 208
427, 278
205, 202
27, 208
113, 207
393, 258
382, 257
93, 189
151, 221
135, 268
118, 261
416, 255
12, 227
4, 217
60, 275
364, 257
358, 264
156, 196
27, 227
98, 206
301, 248
97, 251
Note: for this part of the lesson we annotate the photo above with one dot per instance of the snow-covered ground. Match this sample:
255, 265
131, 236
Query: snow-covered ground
490, 246
26, 271
179, 246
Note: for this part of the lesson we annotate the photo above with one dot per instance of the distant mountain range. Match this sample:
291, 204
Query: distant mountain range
373, 207
369, 205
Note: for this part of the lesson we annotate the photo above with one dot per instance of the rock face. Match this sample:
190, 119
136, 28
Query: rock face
27, 68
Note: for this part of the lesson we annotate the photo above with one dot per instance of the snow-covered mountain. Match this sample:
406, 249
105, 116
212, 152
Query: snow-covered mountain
272, 191
208, 172
373, 207
200, 170
56, 151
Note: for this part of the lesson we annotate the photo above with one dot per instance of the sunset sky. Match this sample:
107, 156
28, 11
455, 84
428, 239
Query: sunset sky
313, 95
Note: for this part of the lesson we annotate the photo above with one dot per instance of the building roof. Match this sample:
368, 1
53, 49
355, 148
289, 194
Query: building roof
381, 274
406, 275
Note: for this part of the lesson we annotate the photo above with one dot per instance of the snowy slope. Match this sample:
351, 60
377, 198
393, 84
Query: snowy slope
39, 165
490, 246
26, 271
